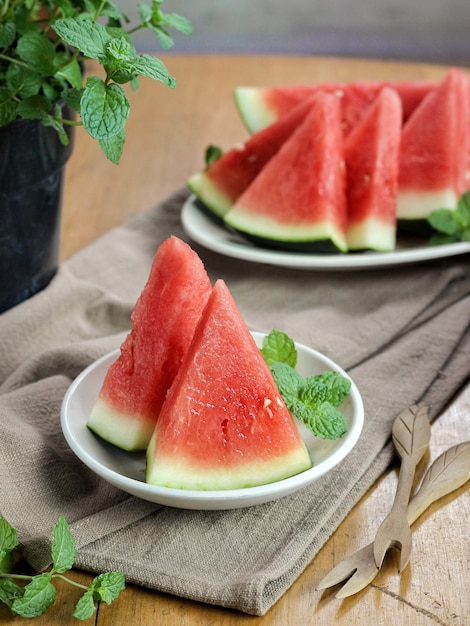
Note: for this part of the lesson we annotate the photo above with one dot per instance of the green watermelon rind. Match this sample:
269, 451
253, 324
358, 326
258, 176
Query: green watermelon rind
371, 234
289, 236
168, 473
417, 205
209, 194
252, 108
127, 432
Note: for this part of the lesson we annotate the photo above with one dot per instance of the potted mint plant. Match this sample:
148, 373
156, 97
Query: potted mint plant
44, 96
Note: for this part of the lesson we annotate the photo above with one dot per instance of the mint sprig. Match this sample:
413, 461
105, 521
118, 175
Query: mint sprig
314, 400
39, 593
42, 46
453, 225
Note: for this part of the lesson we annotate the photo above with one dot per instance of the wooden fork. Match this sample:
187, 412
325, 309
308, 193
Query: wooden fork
411, 434
449, 471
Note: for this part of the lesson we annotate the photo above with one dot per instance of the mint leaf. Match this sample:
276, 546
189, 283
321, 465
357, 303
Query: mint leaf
105, 587
453, 225
7, 107
8, 537
9, 591
38, 596
151, 67
34, 107
23, 81
71, 73
85, 607
38, 52
73, 97
89, 37
8, 542
6, 562
279, 347
108, 586
444, 221
323, 419
330, 386
104, 108
119, 60
56, 122
63, 548
112, 147
289, 383
213, 154
312, 400
7, 34
158, 22
178, 22
319, 397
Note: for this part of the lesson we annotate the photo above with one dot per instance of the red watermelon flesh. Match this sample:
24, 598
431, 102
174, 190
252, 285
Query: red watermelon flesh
299, 196
219, 186
260, 106
371, 153
224, 424
163, 323
434, 150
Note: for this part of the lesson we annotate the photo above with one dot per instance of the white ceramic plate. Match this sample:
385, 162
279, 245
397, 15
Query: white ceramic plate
214, 236
126, 469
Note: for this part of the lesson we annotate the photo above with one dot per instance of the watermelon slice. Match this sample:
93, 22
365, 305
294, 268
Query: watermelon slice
163, 323
298, 200
219, 185
371, 154
261, 106
434, 151
224, 424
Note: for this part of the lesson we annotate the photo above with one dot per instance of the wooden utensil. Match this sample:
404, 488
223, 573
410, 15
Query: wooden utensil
411, 434
449, 471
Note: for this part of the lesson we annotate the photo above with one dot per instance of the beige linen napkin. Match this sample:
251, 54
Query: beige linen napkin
402, 334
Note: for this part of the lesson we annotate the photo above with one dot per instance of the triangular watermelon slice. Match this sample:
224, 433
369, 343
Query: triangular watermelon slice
163, 323
434, 151
224, 180
371, 154
260, 106
224, 424
298, 200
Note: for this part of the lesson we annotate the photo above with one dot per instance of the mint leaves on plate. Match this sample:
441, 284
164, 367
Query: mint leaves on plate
313, 400
453, 226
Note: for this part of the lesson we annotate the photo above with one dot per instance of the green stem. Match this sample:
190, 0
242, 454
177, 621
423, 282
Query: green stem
70, 581
30, 577
16, 576
68, 61
136, 28
5, 57
69, 122
5, 8
98, 10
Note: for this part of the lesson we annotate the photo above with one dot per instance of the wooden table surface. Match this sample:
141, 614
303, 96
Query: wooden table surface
167, 134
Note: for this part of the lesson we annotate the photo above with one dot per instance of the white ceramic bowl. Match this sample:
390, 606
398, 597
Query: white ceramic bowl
126, 470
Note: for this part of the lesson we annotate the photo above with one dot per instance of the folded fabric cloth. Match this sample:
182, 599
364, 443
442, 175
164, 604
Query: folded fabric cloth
401, 333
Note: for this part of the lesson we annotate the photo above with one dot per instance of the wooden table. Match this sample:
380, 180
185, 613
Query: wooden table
168, 132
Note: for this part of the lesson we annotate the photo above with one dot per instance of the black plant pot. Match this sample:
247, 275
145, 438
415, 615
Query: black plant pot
32, 161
